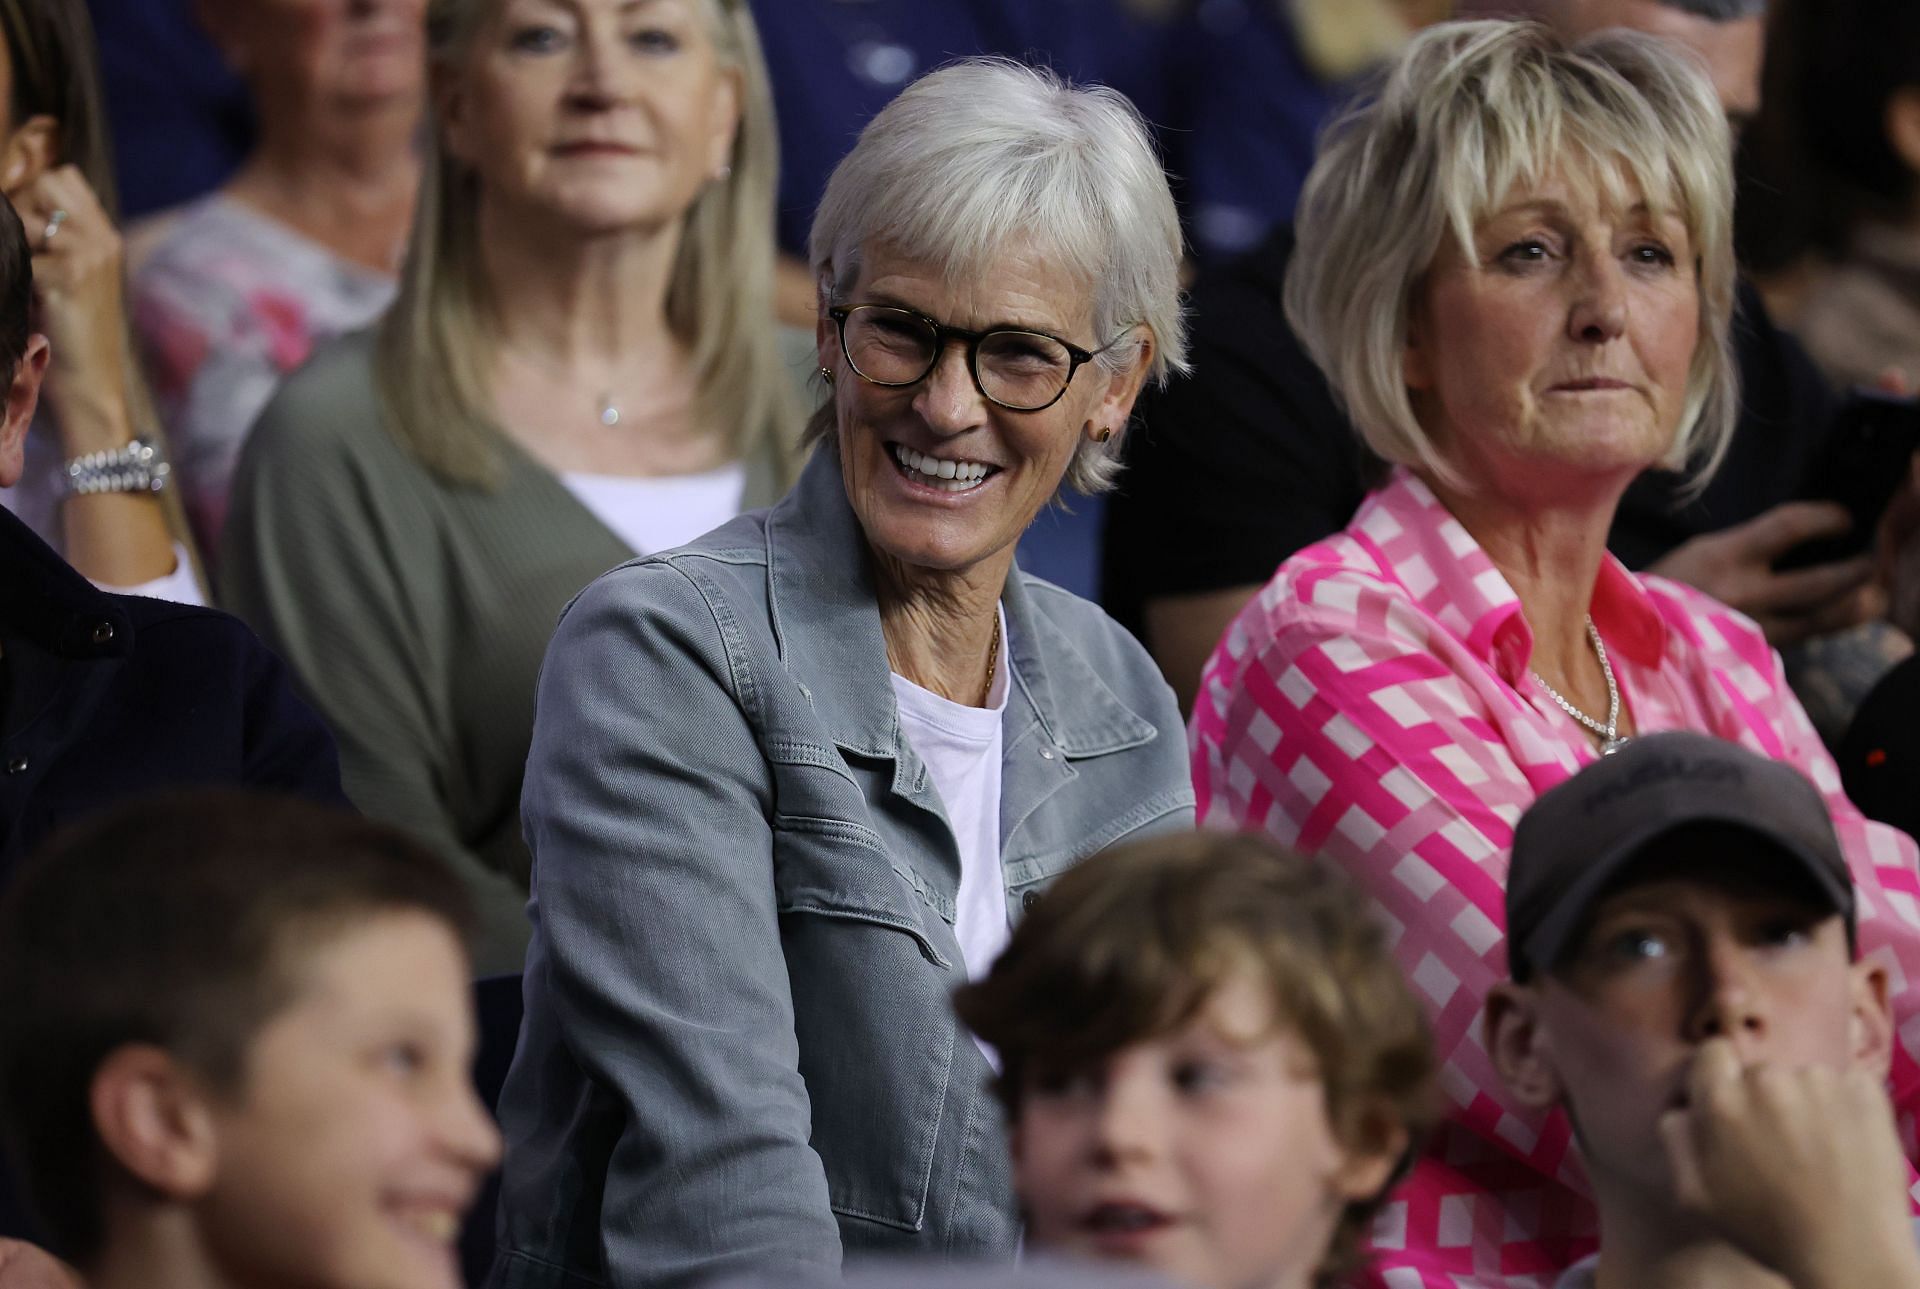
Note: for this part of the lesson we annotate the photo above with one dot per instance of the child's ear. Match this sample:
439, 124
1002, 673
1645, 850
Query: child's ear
1510, 1027
1369, 1163
1870, 1027
153, 1117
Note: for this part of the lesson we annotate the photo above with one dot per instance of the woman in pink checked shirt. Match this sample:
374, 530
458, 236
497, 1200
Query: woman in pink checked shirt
1515, 266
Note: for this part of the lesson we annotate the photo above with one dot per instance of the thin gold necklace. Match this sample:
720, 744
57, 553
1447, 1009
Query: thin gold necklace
993, 661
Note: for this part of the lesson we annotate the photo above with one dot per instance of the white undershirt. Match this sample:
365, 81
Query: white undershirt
656, 514
961, 747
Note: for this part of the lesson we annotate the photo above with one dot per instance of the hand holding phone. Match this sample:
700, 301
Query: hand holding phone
1866, 461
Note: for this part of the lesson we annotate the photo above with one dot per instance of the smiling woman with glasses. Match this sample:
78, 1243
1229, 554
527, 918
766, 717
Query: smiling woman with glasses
1023, 371
791, 784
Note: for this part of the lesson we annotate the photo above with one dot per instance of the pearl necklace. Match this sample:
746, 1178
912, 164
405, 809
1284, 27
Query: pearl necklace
1611, 740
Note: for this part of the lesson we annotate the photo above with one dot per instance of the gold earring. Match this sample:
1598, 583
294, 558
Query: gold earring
1106, 432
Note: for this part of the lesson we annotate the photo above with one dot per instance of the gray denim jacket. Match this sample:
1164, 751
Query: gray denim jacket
738, 1048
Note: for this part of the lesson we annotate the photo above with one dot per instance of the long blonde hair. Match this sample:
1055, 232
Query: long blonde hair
431, 362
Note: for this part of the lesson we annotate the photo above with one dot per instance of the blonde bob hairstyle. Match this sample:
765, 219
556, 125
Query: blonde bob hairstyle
1470, 113
435, 343
986, 153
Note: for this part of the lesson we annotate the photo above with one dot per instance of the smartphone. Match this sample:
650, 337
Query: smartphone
1867, 458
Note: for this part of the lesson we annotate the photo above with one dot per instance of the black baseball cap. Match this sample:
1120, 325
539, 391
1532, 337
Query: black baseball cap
1578, 837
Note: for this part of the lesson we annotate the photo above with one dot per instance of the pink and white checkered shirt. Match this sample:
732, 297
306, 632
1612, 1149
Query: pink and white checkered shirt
1374, 704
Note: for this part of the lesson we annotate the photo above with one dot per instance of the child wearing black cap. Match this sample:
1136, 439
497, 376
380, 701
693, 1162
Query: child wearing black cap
1685, 984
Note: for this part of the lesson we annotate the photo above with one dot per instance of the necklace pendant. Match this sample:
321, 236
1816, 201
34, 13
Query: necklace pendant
609, 411
1613, 743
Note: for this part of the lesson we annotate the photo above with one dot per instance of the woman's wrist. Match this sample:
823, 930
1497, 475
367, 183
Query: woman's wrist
94, 420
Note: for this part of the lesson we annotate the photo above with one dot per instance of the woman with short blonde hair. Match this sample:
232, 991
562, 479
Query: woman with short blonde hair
1380, 203
1515, 270
581, 365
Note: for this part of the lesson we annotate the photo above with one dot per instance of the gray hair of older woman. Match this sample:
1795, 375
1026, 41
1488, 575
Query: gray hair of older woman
1471, 112
988, 153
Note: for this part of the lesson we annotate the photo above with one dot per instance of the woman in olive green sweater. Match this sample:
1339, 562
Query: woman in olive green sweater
581, 366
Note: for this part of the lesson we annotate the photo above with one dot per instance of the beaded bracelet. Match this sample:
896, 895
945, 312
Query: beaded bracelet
137, 467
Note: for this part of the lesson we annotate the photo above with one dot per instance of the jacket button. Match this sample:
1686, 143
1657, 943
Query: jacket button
103, 633
18, 765
1028, 900
1046, 754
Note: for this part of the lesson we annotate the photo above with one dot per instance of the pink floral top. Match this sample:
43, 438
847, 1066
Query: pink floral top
230, 303
1374, 704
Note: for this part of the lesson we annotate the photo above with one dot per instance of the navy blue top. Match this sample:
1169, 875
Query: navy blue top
1244, 116
107, 697
180, 120
835, 63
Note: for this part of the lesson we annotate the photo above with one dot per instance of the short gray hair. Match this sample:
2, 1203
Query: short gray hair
987, 151
1470, 111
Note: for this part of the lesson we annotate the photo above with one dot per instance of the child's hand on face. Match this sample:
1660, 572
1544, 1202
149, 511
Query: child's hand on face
1800, 1169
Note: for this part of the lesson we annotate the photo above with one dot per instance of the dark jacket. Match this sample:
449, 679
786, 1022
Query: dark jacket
106, 697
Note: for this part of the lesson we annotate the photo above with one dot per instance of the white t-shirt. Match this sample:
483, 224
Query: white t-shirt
961, 747
657, 514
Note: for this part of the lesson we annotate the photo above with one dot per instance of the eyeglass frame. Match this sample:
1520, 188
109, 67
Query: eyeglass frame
944, 334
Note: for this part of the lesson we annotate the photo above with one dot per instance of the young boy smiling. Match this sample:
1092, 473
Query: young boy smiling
235, 1051
1211, 1066
1684, 984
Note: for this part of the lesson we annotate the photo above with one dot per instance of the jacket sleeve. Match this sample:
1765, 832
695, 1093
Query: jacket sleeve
309, 560
288, 747
657, 959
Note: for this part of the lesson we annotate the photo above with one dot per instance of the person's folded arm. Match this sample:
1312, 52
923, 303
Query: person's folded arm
657, 948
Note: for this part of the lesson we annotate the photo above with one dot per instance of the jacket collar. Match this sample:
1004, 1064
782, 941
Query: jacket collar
821, 593
44, 600
1415, 540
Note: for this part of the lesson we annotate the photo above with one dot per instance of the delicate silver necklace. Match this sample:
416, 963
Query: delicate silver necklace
1611, 740
606, 404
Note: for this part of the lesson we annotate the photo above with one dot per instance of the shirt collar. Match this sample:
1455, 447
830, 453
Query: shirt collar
1416, 541
44, 599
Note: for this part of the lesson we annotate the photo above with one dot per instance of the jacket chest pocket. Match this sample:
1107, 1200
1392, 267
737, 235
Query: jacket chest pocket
869, 986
